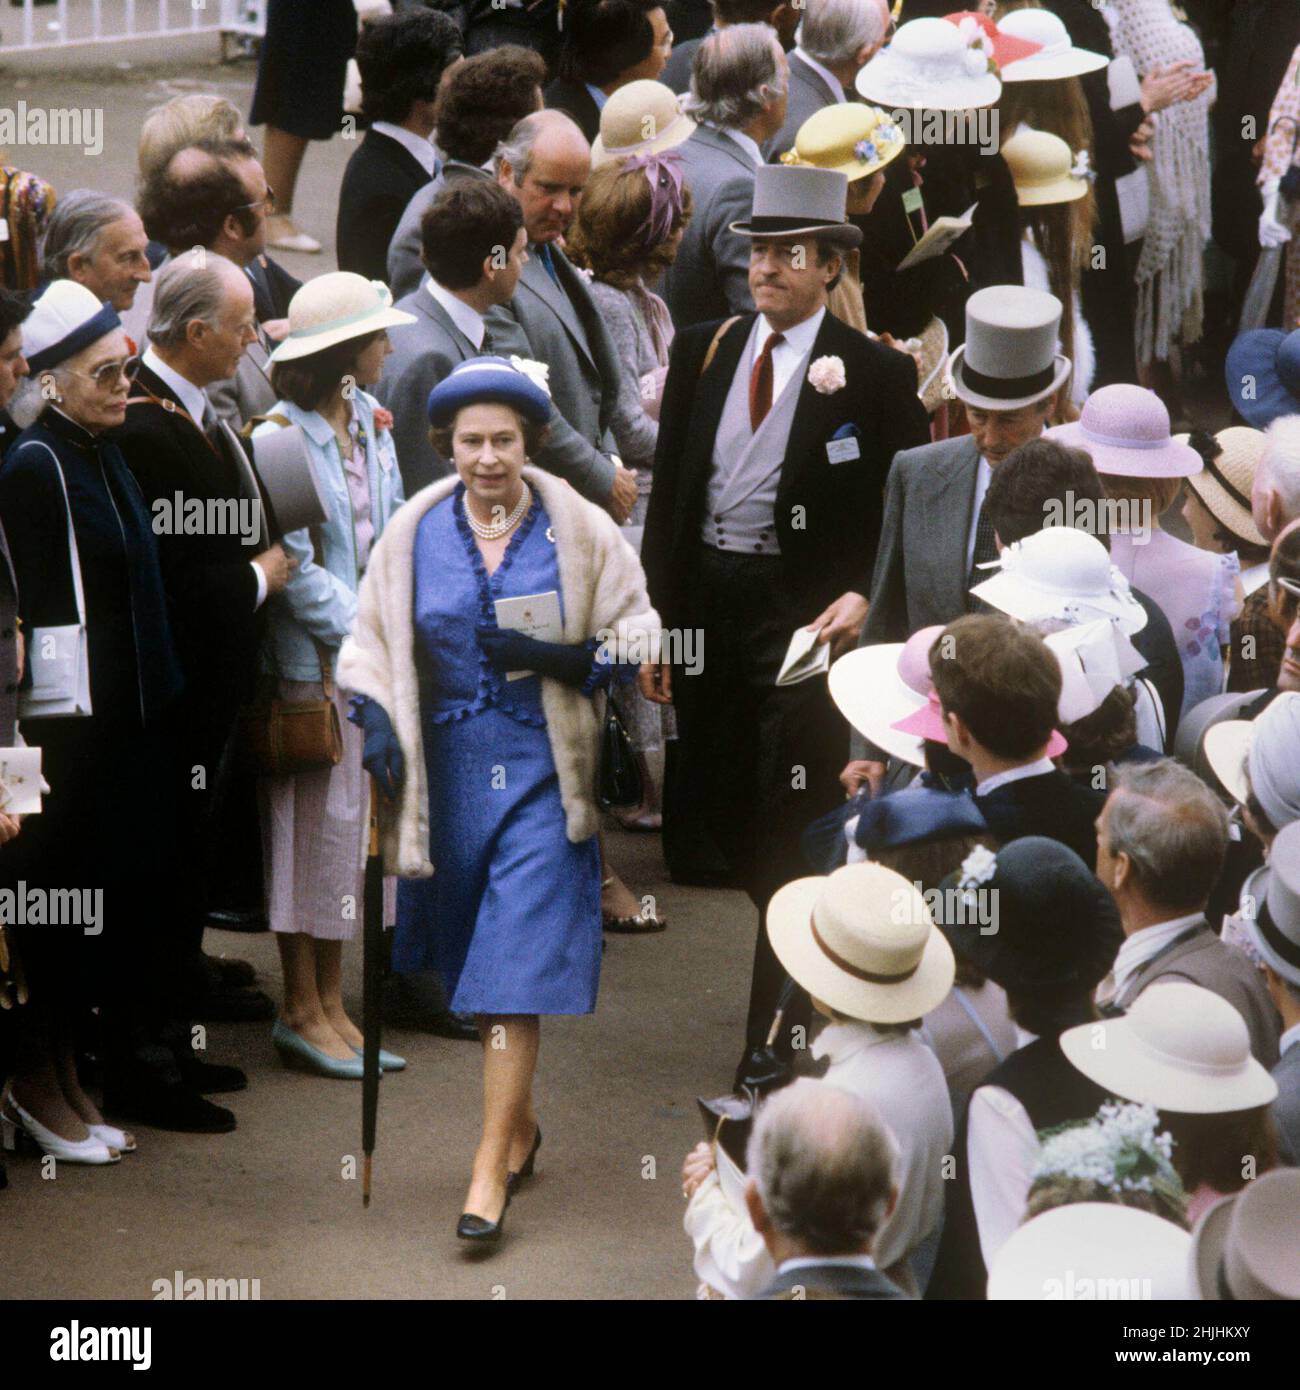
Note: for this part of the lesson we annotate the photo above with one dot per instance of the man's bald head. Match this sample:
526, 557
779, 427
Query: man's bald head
544, 163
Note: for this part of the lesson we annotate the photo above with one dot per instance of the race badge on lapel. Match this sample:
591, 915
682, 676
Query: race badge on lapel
842, 447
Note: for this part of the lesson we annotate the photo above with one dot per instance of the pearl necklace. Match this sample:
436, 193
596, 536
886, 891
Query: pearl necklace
494, 530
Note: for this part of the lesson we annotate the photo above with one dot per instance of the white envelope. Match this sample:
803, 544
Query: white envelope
20, 781
535, 615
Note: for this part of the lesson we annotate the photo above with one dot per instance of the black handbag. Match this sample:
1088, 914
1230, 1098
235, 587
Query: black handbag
619, 781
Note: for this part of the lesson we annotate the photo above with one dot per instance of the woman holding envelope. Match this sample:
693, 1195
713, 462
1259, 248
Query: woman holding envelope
477, 649
314, 822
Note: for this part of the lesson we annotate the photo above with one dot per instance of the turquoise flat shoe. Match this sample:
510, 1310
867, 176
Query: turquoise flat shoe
388, 1061
297, 1051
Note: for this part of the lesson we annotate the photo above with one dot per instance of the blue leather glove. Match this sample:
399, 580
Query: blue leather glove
513, 651
382, 754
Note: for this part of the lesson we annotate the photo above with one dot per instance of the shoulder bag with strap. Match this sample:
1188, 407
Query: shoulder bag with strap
59, 657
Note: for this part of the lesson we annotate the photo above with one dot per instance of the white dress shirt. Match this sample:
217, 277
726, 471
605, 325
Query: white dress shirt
418, 145
843, 1261
1289, 1039
201, 412
468, 320
1140, 948
983, 477
825, 74
1001, 1150
1014, 774
787, 355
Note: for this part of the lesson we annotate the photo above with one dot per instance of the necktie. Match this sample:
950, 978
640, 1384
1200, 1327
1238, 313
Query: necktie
544, 255
760, 383
986, 549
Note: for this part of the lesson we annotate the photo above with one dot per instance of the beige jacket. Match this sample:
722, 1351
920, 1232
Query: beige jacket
603, 589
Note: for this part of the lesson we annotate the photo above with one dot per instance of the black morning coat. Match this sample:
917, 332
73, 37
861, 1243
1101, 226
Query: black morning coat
828, 514
381, 178
209, 579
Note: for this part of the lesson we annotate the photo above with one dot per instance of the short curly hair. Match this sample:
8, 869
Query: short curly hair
484, 97
401, 58
604, 238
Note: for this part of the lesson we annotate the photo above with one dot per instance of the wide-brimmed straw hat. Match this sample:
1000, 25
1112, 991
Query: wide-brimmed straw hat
641, 118
1180, 1048
333, 308
1231, 459
795, 199
852, 139
929, 64
487, 379
1262, 372
1009, 358
64, 320
861, 940
1061, 574
1056, 58
1244, 1247
1070, 1252
1125, 430
874, 687
1041, 167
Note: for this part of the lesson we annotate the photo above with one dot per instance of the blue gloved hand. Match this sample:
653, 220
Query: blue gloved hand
382, 754
513, 651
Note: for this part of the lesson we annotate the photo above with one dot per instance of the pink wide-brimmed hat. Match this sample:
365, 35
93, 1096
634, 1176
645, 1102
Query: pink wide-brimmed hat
927, 723
1126, 431
874, 687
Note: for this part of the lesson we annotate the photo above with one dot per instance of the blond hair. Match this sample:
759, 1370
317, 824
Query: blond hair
182, 122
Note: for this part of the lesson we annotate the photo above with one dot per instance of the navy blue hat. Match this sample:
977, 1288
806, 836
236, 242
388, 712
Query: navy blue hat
483, 379
917, 815
1262, 370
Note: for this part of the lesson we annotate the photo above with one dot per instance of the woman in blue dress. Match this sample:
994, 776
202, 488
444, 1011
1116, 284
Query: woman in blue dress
490, 774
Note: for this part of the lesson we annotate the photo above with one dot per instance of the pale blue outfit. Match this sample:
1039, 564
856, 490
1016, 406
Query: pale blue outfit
511, 917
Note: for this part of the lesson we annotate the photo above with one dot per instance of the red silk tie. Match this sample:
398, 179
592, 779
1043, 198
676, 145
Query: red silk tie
760, 383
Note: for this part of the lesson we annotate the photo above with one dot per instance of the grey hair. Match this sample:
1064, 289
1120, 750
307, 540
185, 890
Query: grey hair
75, 226
516, 149
30, 399
1173, 829
1280, 465
825, 1166
736, 74
187, 288
833, 30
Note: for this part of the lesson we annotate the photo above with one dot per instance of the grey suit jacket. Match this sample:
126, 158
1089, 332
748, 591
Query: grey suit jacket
1205, 960
831, 1282
424, 353
677, 70
1286, 1108
561, 326
710, 277
405, 268
808, 93
237, 399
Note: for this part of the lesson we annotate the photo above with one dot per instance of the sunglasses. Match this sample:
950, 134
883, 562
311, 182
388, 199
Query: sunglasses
268, 202
107, 376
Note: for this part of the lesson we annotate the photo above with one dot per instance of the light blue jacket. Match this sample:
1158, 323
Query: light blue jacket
320, 600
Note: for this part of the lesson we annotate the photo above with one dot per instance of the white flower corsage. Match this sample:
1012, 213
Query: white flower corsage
536, 372
978, 58
587, 274
1082, 167
979, 866
827, 375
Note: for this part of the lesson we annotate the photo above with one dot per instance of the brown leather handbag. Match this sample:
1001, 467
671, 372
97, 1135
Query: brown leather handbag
277, 737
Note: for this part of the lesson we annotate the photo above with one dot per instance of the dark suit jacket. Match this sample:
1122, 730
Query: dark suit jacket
1286, 1108
573, 98
677, 70
273, 288
381, 178
831, 1281
424, 353
8, 646
209, 581
827, 515
808, 93
1052, 804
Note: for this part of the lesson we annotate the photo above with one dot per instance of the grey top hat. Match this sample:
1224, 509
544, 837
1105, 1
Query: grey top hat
794, 198
1275, 924
288, 478
1009, 358
1243, 1247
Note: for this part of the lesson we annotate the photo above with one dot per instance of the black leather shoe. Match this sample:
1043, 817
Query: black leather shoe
173, 1107
232, 919
211, 1078
407, 1004
513, 1180
479, 1230
457, 1027
234, 1006
227, 972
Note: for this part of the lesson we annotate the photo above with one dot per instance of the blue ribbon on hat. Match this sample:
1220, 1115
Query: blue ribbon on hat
94, 328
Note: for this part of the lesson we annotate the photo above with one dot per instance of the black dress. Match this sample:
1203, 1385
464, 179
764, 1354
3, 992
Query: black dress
303, 66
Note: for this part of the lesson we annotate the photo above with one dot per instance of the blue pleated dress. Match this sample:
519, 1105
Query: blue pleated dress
511, 917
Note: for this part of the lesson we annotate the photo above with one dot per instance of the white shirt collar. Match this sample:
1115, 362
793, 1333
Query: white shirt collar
825, 74
421, 148
840, 1040
1014, 774
1289, 1039
468, 320
799, 339
746, 142
1254, 577
844, 1261
597, 95
191, 396
1150, 941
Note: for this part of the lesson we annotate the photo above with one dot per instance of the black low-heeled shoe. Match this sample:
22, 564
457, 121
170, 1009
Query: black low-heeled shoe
479, 1229
529, 1165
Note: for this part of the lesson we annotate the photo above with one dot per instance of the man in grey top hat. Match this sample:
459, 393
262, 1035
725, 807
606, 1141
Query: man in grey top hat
776, 433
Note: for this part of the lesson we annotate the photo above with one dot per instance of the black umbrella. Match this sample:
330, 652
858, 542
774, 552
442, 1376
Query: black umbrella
373, 972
